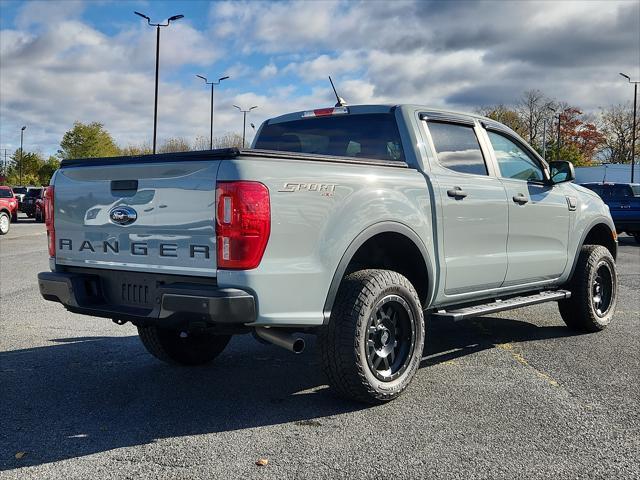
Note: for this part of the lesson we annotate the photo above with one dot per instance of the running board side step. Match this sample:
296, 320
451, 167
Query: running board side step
501, 305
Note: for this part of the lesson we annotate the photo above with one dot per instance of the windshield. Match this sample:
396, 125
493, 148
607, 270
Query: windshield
20, 190
5, 193
34, 192
373, 135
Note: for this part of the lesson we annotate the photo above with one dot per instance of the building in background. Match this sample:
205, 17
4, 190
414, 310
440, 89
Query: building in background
607, 172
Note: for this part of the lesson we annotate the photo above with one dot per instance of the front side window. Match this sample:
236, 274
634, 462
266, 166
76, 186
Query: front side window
457, 148
513, 161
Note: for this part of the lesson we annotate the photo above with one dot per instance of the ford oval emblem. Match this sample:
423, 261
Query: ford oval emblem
123, 215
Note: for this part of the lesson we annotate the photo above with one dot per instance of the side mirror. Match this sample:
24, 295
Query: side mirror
562, 171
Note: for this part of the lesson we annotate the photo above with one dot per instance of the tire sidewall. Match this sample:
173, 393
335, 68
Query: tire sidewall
4, 215
397, 385
598, 259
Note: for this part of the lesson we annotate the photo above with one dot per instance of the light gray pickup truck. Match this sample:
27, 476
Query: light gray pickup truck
353, 223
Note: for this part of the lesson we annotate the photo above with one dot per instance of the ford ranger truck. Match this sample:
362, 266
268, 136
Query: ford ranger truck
355, 223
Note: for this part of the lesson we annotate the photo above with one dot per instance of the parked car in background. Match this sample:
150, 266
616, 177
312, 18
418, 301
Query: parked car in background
623, 200
29, 201
19, 193
8, 209
40, 213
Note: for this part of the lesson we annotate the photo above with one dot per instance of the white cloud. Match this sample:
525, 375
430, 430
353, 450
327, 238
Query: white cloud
56, 68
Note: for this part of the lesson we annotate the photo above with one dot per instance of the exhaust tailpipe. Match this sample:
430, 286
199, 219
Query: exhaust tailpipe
293, 343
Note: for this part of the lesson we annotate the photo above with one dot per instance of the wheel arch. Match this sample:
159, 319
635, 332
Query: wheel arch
413, 263
599, 232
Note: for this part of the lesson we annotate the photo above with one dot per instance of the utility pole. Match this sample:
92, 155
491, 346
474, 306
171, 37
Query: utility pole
558, 150
544, 139
212, 85
244, 121
633, 133
21, 138
155, 105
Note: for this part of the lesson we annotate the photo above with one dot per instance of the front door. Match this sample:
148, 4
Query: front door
474, 210
538, 214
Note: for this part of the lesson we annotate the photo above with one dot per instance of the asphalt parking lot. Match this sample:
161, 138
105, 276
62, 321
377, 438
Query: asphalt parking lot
511, 396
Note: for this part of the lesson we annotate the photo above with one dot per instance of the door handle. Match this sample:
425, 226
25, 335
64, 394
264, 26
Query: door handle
520, 199
457, 193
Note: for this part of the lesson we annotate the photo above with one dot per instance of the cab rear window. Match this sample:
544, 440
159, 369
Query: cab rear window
373, 135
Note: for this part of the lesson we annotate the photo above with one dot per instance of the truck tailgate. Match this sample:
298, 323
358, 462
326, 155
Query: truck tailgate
151, 217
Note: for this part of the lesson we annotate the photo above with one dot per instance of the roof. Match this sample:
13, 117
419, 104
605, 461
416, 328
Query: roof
384, 108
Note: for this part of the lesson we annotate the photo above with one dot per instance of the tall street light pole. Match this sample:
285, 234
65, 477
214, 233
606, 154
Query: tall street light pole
157, 25
544, 133
21, 138
244, 121
213, 84
633, 133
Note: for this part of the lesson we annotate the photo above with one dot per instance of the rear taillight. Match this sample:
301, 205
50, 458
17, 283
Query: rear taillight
48, 220
243, 224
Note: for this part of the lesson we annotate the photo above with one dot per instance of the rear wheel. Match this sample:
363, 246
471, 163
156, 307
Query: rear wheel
39, 216
181, 347
372, 346
14, 216
594, 289
5, 222
637, 237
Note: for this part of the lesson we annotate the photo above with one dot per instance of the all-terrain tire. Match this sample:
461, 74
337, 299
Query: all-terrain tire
594, 289
348, 347
178, 347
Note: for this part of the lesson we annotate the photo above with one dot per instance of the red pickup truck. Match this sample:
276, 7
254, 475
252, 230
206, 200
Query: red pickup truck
8, 209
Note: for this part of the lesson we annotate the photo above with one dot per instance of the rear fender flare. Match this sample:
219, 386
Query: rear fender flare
368, 233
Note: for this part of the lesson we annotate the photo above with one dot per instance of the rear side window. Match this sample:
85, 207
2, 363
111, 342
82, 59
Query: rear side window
458, 148
373, 135
620, 191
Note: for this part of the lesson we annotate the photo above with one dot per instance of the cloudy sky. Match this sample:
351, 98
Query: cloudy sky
94, 60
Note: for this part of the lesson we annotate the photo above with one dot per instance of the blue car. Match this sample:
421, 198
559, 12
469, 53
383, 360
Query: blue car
623, 200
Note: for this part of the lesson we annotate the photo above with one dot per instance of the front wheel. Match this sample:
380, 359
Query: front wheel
177, 346
594, 289
372, 346
5, 221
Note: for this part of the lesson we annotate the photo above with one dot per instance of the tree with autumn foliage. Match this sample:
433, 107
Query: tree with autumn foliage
581, 140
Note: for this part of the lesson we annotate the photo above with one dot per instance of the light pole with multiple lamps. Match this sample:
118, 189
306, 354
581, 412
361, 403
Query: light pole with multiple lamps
244, 120
213, 84
21, 139
157, 25
633, 133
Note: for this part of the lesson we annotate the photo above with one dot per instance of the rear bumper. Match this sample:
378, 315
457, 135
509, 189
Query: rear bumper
171, 304
627, 225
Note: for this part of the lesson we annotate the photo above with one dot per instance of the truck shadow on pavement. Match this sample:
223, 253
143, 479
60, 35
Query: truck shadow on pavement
87, 395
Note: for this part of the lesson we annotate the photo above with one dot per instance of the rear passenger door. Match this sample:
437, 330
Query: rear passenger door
474, 209
539, 213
